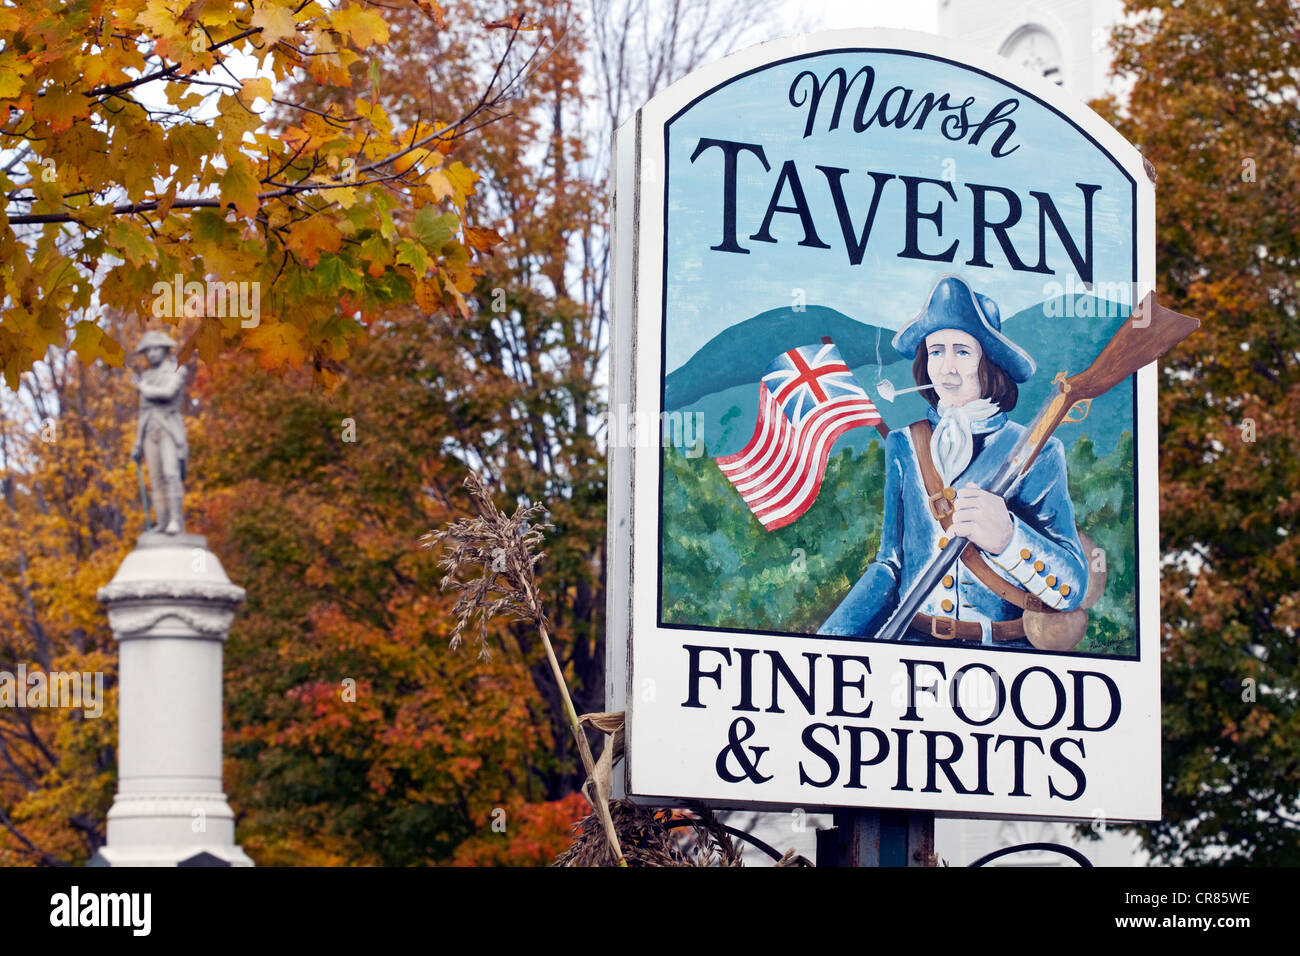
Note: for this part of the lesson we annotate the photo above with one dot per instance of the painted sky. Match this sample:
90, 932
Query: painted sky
709, 290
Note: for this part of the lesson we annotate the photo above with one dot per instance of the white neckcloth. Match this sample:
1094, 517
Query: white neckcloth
951, 445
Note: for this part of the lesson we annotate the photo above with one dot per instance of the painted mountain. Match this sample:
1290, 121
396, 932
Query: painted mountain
721, 379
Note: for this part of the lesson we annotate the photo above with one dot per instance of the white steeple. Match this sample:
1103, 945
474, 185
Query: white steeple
1065, 40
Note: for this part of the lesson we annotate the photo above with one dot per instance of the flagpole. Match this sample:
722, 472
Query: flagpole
880, 425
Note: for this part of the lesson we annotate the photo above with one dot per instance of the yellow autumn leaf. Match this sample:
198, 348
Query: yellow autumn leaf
235, 120
258, 87
239, 187
429, 159
462, 179
363, 27
377, 115
60, 107
165, 200
12, 71
427, 296
159, 20
96, 71
206, 340
91, 343
459, 299
277, 344
437, 181
276, 22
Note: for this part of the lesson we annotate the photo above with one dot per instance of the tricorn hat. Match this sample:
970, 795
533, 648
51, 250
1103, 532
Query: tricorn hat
152, 338
953, 305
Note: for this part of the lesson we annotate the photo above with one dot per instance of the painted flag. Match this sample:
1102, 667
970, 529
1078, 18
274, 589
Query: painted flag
806, 399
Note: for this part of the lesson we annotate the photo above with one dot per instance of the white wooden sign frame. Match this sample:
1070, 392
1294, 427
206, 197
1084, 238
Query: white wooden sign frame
672, 749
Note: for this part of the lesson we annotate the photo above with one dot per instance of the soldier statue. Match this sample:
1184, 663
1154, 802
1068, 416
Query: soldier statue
160, 437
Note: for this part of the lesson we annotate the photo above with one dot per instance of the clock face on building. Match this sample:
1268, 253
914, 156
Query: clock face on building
1036, 49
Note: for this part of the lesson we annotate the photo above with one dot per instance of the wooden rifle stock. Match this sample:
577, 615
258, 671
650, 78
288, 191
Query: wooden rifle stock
1150, 332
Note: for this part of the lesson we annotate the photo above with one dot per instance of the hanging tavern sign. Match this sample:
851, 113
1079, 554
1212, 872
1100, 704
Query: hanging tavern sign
882, 438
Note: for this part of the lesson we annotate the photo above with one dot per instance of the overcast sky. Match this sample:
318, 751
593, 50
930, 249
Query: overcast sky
838, 14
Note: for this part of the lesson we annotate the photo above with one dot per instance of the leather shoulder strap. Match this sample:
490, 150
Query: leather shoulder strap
921, 433
970, 556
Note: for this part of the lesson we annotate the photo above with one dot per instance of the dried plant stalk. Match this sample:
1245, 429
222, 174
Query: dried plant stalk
502, 549
650, 841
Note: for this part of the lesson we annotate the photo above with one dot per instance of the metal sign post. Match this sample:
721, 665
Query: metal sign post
878, 838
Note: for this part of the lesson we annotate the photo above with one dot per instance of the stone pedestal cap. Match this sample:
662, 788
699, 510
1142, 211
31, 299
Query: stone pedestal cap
171, 585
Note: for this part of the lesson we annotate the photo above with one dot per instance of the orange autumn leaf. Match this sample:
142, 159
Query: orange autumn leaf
211, 183
513, 22
482, 238
308, 238
277, 343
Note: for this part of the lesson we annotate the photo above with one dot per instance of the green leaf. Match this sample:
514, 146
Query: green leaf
413, 255
433, 230
209, 225
130, 242
334, 273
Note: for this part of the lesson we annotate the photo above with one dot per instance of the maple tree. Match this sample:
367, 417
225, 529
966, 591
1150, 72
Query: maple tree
353, 734
68, 521
137, 148
315, 501
427, 394
1214, 108
336, 215
512, 390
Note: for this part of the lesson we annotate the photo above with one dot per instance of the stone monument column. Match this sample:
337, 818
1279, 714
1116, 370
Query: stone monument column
170, 606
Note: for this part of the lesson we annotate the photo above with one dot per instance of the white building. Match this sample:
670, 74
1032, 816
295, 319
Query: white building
1065, 40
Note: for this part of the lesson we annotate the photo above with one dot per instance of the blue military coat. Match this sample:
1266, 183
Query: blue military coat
1044, 556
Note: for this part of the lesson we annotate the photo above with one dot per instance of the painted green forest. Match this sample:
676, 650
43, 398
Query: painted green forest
721, 569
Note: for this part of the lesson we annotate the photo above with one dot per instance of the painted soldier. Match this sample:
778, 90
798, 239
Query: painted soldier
1024, 553
160, 435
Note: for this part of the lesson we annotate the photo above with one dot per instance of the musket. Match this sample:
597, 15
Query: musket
144, 499
1151, 331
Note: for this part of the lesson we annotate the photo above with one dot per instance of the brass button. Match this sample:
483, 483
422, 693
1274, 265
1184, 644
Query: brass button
950, 494
943, 542
1065, 590
1024, 554
946, 604
1051, 580
1038, 566
947, 580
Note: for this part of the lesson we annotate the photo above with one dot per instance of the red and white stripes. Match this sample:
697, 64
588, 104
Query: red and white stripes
780, 471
